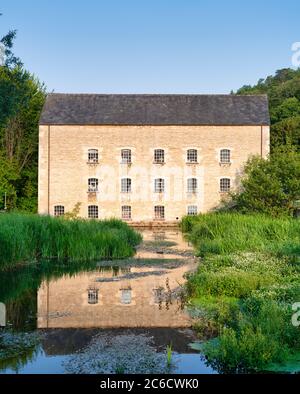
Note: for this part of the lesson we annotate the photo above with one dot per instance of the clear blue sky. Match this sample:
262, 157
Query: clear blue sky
152, 46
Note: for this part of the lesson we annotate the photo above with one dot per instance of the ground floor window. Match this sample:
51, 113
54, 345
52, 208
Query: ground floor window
59, 210
93, 212
126, 212
192, 210
224, 185
159, 212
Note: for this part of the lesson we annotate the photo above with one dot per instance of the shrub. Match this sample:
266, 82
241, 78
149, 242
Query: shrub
272, 185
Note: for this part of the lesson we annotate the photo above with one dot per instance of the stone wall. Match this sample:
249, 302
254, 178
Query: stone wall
64, 171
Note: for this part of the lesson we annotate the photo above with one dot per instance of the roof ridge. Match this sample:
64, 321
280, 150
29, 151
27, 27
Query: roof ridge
160, 94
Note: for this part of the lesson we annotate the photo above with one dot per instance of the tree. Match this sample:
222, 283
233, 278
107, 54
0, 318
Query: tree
270, 185
283, 90
21, 99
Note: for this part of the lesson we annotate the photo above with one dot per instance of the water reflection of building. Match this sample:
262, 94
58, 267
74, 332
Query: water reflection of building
131, 297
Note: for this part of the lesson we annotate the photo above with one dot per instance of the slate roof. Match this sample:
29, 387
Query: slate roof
155, 109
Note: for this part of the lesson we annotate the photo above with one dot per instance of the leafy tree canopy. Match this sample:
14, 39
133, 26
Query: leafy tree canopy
283, 90
272, 185
21, 99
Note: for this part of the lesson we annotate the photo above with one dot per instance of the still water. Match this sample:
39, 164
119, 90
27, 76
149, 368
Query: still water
107, 317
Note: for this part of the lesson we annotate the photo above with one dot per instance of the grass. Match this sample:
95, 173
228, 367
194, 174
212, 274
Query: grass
244, 289
224, 233
169, 355
26, 238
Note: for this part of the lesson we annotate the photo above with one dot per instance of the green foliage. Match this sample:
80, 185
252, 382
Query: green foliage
226, 233
21, 100
283, 90
169, 355
17, 348
74, 213
29, 237
244, 288
270, 186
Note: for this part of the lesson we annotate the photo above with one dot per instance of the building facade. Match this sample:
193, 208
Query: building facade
146, 158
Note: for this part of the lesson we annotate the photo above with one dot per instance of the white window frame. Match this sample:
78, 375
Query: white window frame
126, 156
224, 189
192, 210
126, 212
159, 212
59, 210
126, 185
192, 156
93, 212
93, 296
225, 156
159, 185
93, 156
93, 185
192, 185
159, 156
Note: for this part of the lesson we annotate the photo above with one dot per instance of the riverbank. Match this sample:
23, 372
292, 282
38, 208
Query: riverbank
244, 290
29, 238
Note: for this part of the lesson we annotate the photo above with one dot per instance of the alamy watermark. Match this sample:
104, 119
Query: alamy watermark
2, 54
296, 315
2, 315
296, 54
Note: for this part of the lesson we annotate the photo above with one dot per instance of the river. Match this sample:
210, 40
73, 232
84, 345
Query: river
107, 317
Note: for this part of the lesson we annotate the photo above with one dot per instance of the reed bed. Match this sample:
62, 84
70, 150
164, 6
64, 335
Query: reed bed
27, 237
224, 233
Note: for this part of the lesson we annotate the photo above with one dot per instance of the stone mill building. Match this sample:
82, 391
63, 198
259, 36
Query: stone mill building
147, 159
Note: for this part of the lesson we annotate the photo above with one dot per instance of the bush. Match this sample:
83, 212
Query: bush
272, 185
244, 351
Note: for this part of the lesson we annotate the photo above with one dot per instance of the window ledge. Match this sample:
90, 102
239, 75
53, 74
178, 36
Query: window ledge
225, 164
